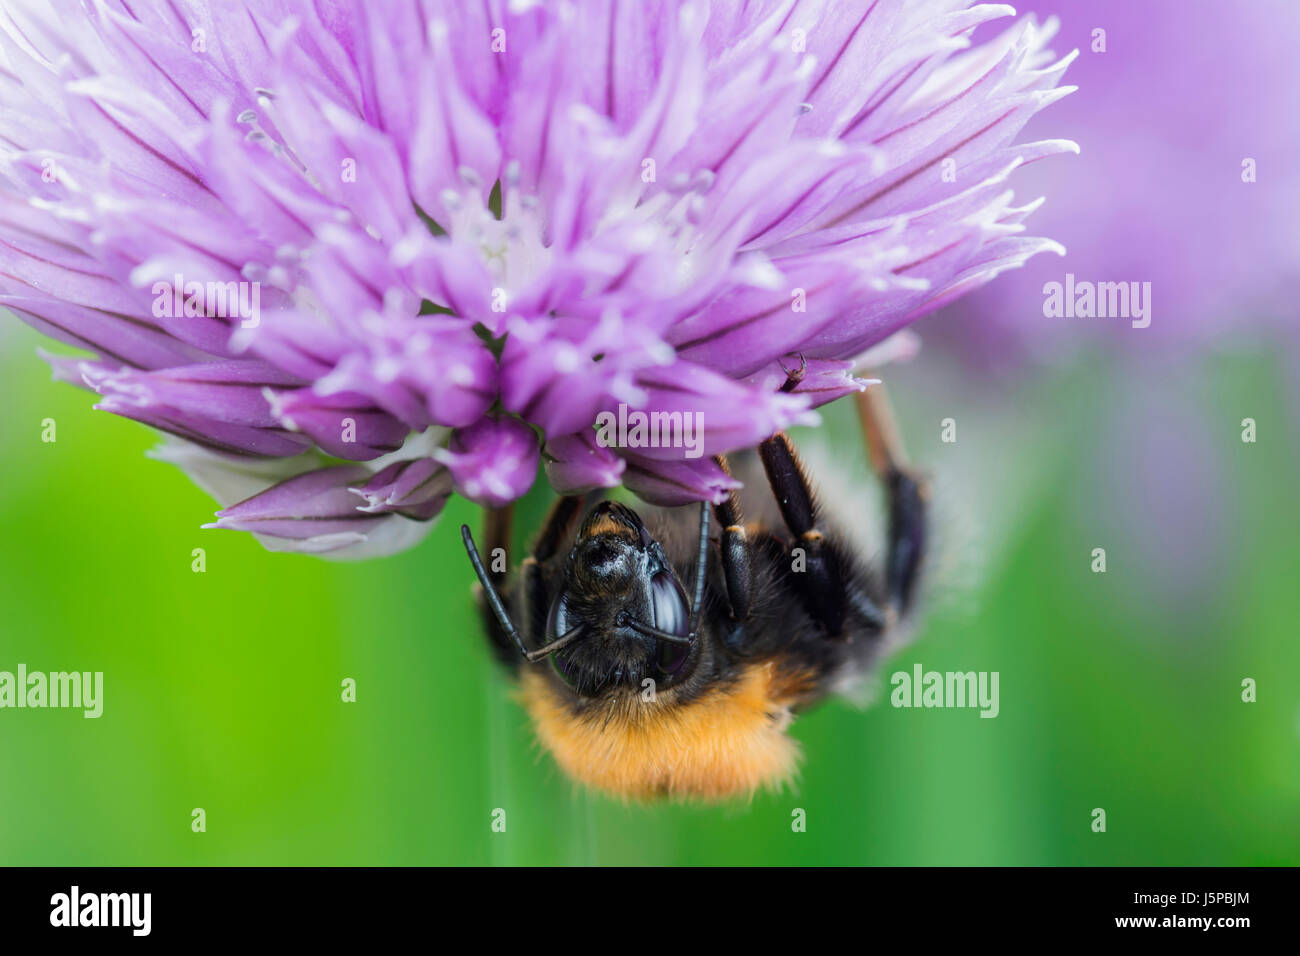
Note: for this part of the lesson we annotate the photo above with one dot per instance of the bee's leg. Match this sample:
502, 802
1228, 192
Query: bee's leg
555, 529
908, 494
737, 561
822, 570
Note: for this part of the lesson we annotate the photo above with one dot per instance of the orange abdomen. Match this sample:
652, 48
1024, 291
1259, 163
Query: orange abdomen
727, 743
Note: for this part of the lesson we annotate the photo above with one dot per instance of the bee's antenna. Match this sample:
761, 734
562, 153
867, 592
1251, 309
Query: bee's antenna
700, 568
564, 640
493, 599
651, 631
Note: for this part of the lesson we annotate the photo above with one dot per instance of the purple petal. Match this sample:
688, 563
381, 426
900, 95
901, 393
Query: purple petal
677, 482
219, 405
823, 380
417, 489
342, 424
575, 464
493, 461
318, 504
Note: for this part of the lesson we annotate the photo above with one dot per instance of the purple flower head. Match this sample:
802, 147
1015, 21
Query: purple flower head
440, 239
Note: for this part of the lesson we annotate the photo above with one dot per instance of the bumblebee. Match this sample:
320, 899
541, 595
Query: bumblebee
658, 659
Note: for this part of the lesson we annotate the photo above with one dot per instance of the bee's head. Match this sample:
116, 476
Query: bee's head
635, 617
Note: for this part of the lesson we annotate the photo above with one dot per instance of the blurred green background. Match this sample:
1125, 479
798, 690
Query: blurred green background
1119, 690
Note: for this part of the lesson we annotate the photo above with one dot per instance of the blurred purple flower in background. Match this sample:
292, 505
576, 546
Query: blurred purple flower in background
1187, 118
422, 235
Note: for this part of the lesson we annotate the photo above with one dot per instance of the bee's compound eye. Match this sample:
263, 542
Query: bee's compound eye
560, 664
671, 615
557, 621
